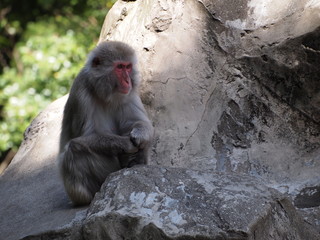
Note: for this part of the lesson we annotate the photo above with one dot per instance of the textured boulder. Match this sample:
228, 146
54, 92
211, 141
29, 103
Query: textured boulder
32, 196
159, 203
229, 90
232, 89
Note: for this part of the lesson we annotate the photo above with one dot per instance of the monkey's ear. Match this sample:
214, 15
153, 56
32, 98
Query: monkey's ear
95, 62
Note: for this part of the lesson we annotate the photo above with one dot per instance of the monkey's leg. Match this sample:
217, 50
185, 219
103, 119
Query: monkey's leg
141, 157
84, 171
130, 160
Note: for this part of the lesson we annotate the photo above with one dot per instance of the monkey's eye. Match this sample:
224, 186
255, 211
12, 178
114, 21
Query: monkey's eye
120, 66
129, 67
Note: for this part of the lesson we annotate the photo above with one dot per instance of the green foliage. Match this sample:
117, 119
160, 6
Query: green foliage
46, 59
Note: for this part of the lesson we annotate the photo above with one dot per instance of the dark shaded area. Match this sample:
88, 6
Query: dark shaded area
295, 79
308, 197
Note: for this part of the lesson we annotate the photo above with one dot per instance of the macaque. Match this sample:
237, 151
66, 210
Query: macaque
105, 127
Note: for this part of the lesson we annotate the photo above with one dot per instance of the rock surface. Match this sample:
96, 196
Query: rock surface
229, 90
158, 203
32, 196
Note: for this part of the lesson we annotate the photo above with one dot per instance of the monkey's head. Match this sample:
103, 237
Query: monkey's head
112, 69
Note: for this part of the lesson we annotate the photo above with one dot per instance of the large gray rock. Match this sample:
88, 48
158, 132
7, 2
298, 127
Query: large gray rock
158, 203
231, 86
229, 89
32, 196
161, 203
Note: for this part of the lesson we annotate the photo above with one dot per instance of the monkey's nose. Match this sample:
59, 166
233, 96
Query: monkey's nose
126, 77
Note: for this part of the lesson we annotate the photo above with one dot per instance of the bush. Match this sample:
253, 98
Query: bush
46, 59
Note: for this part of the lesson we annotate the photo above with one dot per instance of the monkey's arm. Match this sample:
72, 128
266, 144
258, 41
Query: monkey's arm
137, 125
106, 144
71, 123
78, 132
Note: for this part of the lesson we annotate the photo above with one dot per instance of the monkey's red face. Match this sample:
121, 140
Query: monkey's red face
122, 71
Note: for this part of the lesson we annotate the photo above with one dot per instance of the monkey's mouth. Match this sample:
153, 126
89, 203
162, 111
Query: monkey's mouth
124, 91
125, 86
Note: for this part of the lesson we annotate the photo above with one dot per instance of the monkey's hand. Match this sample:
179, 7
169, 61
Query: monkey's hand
129, 146
139, 137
